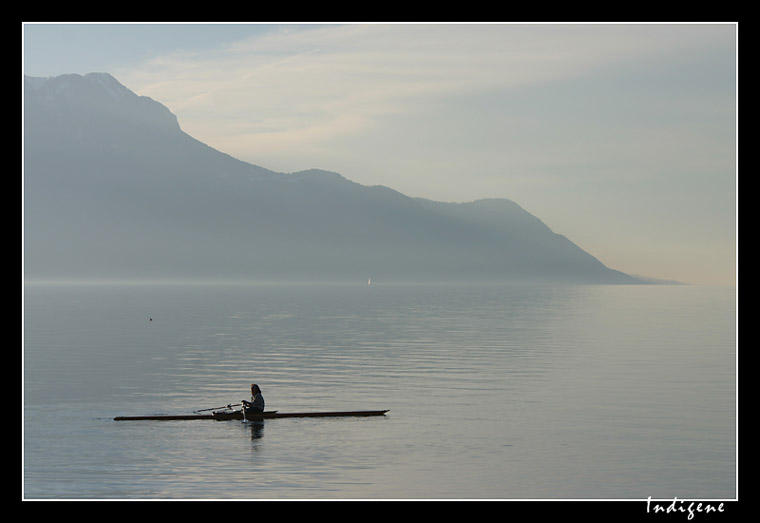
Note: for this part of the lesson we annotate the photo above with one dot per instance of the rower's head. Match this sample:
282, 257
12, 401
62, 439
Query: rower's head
255, 389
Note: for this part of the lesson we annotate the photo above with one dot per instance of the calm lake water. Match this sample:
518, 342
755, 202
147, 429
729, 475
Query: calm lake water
500, 392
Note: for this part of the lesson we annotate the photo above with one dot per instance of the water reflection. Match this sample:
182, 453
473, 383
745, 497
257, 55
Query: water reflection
257, 429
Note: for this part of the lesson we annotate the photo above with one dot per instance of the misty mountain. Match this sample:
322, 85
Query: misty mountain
113, 188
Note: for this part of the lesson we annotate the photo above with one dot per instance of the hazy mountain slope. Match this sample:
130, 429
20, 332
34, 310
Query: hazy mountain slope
113, 188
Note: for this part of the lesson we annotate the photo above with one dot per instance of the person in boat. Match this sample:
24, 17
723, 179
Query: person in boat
257, 400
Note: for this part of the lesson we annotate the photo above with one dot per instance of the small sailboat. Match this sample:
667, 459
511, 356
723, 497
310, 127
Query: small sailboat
369, 281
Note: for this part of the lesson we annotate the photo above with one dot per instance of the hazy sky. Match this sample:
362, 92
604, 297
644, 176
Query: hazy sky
621, 137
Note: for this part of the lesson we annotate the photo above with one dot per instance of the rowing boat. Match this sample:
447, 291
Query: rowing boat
233, 415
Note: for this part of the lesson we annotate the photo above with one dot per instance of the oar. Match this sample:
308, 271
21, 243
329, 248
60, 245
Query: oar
222, 407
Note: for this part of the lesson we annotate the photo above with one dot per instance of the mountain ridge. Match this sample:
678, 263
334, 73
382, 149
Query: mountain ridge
114, 188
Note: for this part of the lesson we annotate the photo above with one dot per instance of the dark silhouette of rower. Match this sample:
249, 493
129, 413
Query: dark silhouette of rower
257, 400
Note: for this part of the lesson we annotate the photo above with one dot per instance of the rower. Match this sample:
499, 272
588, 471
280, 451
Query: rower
257, 400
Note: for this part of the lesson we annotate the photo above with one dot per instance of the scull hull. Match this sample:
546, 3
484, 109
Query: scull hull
223, 416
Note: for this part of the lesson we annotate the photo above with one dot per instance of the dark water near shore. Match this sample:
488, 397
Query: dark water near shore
502, 392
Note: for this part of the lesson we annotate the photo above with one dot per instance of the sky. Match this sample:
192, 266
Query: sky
621, 137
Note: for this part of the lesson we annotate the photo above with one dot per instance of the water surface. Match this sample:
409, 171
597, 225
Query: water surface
500, 392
